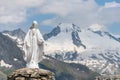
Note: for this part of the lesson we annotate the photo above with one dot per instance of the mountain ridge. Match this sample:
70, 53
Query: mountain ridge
91, 46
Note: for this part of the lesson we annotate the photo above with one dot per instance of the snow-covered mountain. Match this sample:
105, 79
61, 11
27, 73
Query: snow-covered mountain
16, 35
92, 46
68, 37
69, 42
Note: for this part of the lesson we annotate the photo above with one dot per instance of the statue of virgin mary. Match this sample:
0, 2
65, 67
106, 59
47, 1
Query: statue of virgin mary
33, 46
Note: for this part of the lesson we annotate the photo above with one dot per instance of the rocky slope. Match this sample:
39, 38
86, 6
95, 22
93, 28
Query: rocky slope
10, 53
67, 71
16, 35
62, 70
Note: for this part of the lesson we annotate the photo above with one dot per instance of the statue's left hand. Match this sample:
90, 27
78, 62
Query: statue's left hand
39, 43
43, 53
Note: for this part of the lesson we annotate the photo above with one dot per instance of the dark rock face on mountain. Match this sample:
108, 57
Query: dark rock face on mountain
111, 36
119, 39
10, 53
74, 34
76, 39
16, 33
54, 32
103, 33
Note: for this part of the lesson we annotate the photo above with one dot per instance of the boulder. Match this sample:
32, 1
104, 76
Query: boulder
31, 74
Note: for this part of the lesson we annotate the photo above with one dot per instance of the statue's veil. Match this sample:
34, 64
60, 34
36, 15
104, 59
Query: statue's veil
34, 25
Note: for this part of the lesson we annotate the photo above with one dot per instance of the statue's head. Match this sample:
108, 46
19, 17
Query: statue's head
34, 25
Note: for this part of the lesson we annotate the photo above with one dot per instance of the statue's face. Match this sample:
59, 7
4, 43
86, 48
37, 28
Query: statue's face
34, 25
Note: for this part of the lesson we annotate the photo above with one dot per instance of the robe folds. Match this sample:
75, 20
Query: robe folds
33, 48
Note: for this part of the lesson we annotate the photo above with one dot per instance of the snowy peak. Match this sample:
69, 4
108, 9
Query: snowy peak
72, 30
62, 28
65, 27
96, 27
112, 36
18, 33
65, 33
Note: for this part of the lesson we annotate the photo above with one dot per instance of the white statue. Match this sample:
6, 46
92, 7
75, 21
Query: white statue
33, 46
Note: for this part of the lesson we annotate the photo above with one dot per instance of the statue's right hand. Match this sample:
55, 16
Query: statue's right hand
27, 46
25, 58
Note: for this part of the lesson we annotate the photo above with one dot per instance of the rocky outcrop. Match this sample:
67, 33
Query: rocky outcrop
31, 74
108, 77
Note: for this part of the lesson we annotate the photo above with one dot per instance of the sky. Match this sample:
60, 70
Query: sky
49, 13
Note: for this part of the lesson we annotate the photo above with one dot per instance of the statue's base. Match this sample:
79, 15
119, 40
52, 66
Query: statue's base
31, 74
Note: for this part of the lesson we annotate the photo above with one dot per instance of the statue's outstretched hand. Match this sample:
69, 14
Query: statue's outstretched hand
40, 42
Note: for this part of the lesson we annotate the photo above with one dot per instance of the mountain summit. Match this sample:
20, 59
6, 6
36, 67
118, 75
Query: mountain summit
65, 37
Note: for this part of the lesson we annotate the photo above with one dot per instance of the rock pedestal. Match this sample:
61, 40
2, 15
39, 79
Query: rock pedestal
31, 74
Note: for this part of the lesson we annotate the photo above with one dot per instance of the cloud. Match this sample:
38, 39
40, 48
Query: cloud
48, 22
111, 4
15, 11
79, 12
17, 17
60, 7
82, 12
110, 13
96, 27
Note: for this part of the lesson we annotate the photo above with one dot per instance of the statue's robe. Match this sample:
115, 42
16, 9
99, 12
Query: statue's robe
33, 48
